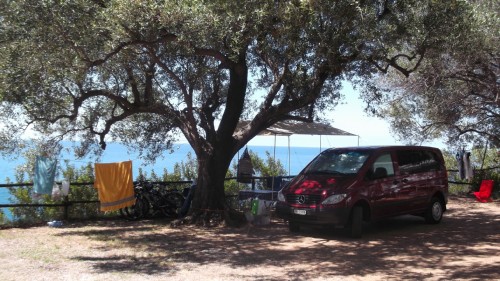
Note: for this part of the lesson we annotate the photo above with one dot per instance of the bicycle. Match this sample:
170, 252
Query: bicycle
140, 207
153, 200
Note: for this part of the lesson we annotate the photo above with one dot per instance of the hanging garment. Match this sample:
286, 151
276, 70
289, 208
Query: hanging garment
460, 163
45, 172
468, 172
65, 187
114, 185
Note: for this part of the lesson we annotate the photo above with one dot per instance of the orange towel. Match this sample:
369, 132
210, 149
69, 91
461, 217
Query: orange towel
114, 185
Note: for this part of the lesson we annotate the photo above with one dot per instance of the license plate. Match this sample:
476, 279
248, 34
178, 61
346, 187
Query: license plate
300, 212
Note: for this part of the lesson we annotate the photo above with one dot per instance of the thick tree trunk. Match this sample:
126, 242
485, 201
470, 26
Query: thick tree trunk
209, 200
216, 148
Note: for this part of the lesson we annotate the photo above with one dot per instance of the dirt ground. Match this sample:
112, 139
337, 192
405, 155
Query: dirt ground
464, 246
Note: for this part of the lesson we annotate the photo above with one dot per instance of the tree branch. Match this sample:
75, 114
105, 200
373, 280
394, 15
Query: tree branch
392, 62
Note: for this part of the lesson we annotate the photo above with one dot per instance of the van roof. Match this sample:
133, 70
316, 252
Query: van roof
385, 147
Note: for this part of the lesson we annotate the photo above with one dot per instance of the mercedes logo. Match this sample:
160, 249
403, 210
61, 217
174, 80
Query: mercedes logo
301, 199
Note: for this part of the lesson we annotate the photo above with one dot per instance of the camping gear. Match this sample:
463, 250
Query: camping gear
259, 212
484, 193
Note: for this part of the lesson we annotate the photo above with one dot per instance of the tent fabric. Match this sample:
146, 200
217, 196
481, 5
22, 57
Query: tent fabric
115, 185
484, 193
45, 172
290, 127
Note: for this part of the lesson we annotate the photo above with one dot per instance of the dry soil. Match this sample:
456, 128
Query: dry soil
464, 246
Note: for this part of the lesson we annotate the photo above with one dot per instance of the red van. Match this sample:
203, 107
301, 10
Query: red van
346, 186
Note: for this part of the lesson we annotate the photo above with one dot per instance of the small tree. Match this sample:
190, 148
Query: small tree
267, 167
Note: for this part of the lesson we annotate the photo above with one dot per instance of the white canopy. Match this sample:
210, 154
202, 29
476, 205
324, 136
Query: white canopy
291, 127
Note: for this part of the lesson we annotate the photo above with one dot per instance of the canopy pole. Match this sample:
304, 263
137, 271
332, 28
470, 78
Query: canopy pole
238, 167
274, 149
289, 155
484, 154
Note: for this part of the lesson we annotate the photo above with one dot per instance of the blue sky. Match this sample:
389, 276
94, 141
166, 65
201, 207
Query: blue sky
348, 116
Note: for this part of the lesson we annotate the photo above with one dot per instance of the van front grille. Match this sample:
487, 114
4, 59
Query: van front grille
306, 199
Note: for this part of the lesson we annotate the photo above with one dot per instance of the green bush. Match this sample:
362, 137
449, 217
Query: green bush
3, 220
30, 215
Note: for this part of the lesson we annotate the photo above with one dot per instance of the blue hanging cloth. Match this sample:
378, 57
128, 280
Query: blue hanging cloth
45, 172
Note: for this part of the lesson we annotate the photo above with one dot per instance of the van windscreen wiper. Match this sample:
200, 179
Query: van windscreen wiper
324, 172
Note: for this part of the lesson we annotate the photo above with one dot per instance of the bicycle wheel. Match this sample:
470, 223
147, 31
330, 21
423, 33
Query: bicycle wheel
171, 203
137, 211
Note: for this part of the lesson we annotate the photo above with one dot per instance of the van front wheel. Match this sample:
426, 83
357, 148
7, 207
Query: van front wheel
356, 223
435, 212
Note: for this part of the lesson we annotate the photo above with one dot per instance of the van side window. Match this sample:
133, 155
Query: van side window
382, 167
417, 161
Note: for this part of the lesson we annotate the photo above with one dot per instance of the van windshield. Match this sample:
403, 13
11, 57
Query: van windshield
337, 162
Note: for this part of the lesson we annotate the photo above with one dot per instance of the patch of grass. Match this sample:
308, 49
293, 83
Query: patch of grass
43, 253
459, 189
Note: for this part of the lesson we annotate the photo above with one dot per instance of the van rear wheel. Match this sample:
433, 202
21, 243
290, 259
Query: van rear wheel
435, 212
356, 223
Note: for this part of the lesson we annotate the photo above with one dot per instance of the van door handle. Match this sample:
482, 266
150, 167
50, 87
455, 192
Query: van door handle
405, 180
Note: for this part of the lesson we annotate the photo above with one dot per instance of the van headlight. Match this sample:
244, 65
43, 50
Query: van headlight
281, 197
334, 199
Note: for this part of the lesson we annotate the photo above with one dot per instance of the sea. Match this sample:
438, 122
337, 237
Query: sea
293, 159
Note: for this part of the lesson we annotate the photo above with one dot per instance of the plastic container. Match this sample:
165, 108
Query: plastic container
55, 223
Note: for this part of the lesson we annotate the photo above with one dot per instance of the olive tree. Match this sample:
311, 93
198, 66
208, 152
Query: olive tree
455, 92
145, 72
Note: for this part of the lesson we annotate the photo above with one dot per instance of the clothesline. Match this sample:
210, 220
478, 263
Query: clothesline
113, 182
59, 160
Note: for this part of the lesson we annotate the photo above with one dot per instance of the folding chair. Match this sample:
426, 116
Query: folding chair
484, 193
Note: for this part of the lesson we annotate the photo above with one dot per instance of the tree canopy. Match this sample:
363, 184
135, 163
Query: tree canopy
143, 72
455, 92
